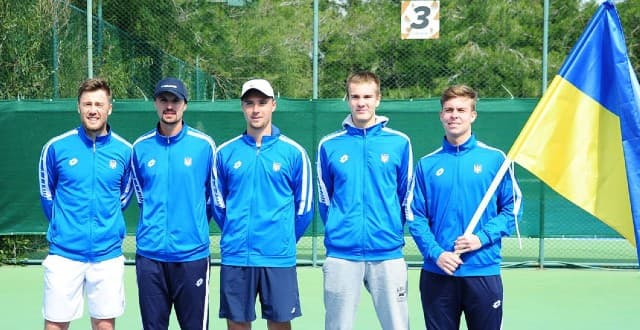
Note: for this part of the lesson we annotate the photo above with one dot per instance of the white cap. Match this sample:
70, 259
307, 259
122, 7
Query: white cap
260, 85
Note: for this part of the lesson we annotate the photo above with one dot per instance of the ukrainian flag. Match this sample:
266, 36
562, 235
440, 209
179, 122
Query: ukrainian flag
583, 137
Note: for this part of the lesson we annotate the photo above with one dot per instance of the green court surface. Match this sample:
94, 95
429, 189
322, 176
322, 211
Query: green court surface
553, 298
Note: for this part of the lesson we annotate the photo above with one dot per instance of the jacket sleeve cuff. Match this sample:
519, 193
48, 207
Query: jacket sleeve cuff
435, 253
484, 238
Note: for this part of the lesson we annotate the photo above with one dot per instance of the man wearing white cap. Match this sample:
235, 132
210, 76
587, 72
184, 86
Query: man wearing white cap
172, 167
263, 205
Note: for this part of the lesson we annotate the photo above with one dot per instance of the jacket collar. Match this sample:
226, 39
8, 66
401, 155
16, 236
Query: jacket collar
267, 140
167, 140
100, 140
464, 147
381, 122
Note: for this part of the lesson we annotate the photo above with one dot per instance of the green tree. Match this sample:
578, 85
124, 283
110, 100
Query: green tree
25, 47
268, 39
493, 45
629, 12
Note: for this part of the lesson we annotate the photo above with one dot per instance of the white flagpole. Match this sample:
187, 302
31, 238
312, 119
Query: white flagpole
487, 196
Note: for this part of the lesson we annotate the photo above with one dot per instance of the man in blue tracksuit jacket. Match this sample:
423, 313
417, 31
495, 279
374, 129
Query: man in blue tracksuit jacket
263, 205
364, 172
172, 167
461, 273
85, 183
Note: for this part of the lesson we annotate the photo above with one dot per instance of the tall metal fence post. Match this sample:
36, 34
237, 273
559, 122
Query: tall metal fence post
54, 56
315, 49
314, 224
545, 44
541, 228
314, 229
545, 50
100, 36
89, 38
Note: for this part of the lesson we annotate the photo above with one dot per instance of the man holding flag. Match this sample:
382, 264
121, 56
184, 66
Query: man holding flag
583, 137
461, 270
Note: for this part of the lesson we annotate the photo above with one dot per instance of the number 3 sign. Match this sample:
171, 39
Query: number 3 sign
420, 19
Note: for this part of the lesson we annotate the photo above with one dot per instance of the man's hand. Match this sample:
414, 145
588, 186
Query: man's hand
466, 244
449, 262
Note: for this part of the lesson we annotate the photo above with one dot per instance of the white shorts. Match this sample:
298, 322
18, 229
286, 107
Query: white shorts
66, 282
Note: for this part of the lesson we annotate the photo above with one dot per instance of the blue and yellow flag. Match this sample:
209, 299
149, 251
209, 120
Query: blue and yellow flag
583, 137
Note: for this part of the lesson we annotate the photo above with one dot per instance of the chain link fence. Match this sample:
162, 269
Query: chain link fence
306, 48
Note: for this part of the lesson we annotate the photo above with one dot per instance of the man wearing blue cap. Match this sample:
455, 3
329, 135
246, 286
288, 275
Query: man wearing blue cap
172, 166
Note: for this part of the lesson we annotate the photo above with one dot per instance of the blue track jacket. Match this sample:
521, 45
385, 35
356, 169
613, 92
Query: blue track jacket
84, 186
173, 184
448, 186
264, 200
363, 177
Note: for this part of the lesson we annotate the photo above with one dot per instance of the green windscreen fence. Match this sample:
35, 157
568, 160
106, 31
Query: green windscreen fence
28, 125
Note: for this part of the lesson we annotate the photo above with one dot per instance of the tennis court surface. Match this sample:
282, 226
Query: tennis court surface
553, 298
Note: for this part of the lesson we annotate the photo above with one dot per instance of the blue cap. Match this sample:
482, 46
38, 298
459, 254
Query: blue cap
173, 86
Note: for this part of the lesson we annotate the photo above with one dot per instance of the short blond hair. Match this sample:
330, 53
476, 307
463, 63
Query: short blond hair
459, 91
94, 84
361, 77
